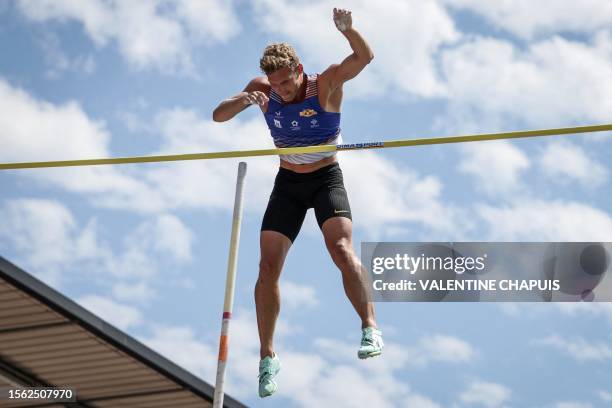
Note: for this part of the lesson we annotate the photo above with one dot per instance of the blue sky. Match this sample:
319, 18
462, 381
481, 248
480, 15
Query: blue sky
145, 246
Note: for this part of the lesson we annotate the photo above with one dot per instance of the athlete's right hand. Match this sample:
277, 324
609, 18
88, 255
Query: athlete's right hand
255, 98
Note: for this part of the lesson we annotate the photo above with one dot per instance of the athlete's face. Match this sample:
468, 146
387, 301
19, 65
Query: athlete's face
286, 82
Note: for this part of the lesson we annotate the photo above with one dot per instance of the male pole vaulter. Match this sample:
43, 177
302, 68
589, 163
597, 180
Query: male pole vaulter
304, 110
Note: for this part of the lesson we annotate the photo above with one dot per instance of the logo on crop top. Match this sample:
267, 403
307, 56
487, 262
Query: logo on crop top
295, 125
308, 113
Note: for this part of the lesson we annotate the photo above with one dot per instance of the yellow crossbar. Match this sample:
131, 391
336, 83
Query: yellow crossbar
311, 149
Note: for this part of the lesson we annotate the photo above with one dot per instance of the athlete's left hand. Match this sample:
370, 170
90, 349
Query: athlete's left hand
342, 19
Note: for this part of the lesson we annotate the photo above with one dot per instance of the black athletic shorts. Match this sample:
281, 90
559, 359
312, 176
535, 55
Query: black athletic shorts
294, 193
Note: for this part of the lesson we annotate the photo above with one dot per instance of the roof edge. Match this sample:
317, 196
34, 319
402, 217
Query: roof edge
74, 312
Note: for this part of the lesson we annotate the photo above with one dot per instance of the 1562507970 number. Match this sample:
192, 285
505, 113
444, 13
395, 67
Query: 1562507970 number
44, 393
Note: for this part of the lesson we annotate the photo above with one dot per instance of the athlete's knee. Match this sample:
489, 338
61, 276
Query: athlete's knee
341, 251
269, 270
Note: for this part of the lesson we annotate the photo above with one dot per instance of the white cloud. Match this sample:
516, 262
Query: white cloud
36, 130
549, 83
540, 310
419, 401
579, 348
487, 394
563, 160
165, 235
181, 346
573, 404
133, 292
446, 349
158, 33
108, 187
531, 310
47, 236
147, 38
39, 224
510, 309
342, 386
296, 296
59, 62
539, 220
527, 19
95, 15
52, 244
581, 310
403, 52
134, 263
171, 235
411, 199
122, 316
428, 349
208, 20
496, 165
605, 395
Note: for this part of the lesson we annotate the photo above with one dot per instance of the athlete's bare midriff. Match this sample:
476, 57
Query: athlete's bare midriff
308, 167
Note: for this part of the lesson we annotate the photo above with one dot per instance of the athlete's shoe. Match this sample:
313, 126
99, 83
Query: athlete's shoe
371, 343
268, 368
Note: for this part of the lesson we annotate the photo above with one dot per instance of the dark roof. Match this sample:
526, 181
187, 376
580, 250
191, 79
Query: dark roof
48, 340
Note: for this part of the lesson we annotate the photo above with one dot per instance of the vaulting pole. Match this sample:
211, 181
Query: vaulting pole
229, 288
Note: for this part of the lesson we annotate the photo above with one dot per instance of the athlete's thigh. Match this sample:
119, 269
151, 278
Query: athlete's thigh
331, 199
274, 247
337, 231
283, 215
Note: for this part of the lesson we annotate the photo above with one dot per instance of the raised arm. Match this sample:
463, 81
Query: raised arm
253, 94
361, 56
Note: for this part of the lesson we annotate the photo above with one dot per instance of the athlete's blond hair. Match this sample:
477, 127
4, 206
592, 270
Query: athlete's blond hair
277, 56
